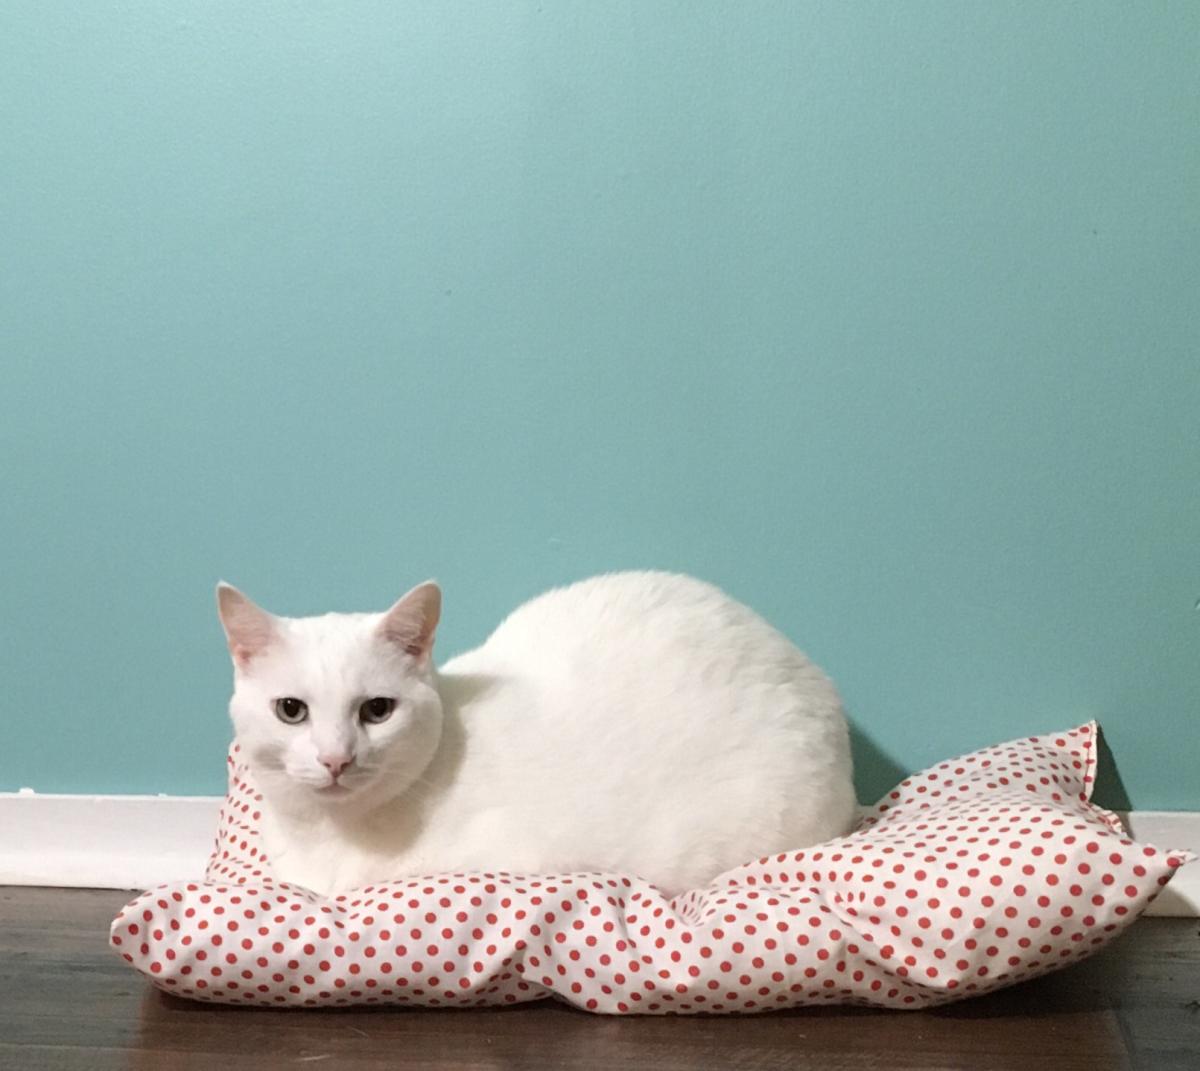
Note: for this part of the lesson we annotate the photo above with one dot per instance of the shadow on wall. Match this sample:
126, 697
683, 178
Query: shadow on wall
875, 771
1110, 788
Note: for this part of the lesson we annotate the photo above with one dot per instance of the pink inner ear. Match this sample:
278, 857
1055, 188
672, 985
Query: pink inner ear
248, 628
249, 636
411, 623
402, 635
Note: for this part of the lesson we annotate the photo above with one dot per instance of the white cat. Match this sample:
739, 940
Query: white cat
643, 723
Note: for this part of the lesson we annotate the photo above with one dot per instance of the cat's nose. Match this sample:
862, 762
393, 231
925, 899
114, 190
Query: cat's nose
335, 764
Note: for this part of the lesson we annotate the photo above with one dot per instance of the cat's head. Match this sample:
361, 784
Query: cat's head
336, 710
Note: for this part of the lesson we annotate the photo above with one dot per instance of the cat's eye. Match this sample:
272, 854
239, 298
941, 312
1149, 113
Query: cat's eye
373, 711
291, 711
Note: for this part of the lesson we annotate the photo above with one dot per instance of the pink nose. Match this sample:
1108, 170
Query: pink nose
335, 764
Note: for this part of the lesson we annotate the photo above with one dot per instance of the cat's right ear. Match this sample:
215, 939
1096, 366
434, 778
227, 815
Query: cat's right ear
249, 629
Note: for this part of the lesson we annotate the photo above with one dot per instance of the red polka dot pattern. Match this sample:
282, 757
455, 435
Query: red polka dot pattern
975, 874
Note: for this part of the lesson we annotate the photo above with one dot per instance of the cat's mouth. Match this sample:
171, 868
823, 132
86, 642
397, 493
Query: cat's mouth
334, 788
348, 784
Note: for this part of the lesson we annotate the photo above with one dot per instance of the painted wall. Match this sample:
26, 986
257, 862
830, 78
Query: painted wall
884, 317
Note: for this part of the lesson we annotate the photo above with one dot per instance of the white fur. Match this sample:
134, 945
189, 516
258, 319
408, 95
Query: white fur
640, 722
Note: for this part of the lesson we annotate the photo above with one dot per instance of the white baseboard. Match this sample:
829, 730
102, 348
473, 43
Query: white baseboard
133, 842
104, 842
1176, 830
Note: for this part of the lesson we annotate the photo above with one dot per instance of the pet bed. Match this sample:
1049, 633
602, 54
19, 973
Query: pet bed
977, 873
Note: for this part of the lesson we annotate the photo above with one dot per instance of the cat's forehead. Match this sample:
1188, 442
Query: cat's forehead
329, 650
329, 628
333, 638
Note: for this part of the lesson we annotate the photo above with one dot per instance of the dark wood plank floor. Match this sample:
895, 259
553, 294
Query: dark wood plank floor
67, 1002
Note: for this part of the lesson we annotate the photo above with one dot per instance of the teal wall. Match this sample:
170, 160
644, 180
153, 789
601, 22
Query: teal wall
884, 317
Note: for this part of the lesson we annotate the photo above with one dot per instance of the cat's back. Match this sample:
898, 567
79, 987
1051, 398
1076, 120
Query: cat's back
635, 641
648, 693
648, 612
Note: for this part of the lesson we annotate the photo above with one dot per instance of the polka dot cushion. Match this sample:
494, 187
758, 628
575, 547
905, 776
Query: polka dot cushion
972, 875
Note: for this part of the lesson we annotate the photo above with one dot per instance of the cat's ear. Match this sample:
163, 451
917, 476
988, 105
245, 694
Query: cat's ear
249, 629
412, 622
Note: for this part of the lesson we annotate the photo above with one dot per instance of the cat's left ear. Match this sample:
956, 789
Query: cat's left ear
412, 622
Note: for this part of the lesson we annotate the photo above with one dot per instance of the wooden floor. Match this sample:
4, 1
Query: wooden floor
66, 1001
